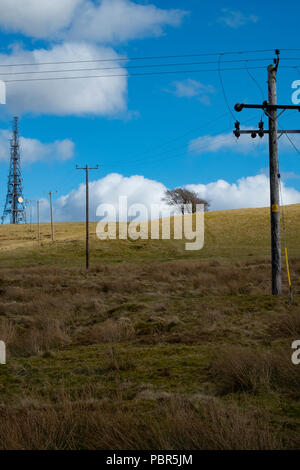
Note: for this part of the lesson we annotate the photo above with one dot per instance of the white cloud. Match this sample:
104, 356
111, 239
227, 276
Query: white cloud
98, 96
122, 20
37, 18
245, 144
101, 21
236, 18
192, 89
34, 150
137, 188
222, 142
83, 25
251, 191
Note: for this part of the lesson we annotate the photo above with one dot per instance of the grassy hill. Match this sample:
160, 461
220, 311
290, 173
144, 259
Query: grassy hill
235, 234
154, 346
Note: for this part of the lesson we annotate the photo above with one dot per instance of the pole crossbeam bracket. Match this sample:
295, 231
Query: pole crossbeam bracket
87, 167
265, 106
265, 131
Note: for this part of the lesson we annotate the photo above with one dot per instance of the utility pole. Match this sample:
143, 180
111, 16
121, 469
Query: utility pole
51, 216
38, 220
274, 182
87, 168
30, 202
270, 108
25, 211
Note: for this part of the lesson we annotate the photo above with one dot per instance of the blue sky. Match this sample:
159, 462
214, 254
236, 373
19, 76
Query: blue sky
153, 126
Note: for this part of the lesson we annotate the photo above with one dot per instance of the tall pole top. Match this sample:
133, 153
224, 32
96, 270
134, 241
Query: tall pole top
16, 123
86, 167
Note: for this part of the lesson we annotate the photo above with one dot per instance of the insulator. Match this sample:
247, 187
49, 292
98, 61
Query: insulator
238, 107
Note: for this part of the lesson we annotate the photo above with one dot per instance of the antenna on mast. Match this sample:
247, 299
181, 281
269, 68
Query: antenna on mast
14, 205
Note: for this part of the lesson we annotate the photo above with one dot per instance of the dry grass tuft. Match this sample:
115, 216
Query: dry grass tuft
40, 336
286, 325
239, 369
173, 423
109, 331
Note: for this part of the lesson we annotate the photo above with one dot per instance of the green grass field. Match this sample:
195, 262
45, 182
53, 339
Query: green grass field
155, 347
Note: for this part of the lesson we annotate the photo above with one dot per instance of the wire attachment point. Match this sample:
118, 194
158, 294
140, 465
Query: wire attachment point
237, 132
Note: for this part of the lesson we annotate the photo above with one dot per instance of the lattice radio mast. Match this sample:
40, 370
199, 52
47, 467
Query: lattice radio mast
14, 205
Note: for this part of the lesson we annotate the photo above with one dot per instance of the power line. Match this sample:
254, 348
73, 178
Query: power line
223, 88
290, 140
222, 131
255, 81
27, 72
155, 160
297, 68
170, 141
290, 50
132, 74
115, 59
202, 147
142, 160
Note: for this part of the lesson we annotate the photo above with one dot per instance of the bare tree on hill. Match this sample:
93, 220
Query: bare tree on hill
181, 196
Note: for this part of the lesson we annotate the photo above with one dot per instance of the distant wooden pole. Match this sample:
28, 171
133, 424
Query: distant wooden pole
87, 248
38, 220
30, 202
25, 212
51, 217
87, 234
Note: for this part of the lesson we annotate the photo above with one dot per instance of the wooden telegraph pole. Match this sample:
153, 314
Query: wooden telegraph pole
274, 182
51, 216
87, 251
270, 108
30, 215
30, 202
38, 220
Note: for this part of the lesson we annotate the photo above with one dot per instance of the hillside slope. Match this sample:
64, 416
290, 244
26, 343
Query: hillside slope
228, 234
154, 347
